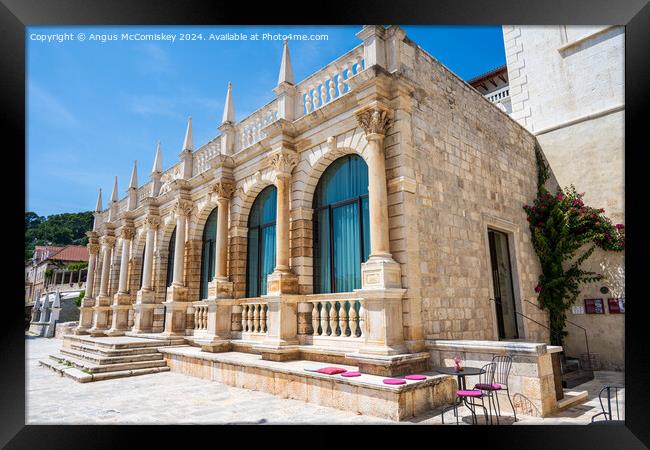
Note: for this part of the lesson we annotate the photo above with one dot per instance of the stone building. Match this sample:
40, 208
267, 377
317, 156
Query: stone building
566, 85
366, 216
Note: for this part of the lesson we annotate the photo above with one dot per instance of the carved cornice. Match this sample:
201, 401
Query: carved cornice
283, 162
374, 121
183, 207
224, 189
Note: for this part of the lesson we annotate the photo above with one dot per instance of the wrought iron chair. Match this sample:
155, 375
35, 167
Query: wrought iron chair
607, 389
489, 387
467, 394
500, 383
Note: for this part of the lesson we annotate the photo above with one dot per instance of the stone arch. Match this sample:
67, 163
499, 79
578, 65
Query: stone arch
316, 160
202, 210
161, 254
137, 256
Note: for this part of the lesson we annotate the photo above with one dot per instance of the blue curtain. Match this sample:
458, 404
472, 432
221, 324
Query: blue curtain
340, 226
261, 241
207, 253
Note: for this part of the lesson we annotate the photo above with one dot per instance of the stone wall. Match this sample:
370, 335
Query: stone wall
474, 169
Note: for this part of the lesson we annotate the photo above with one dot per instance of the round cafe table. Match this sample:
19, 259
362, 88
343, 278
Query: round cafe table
467, 371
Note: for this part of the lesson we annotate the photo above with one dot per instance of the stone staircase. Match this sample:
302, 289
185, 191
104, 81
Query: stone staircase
87, 359
574, 374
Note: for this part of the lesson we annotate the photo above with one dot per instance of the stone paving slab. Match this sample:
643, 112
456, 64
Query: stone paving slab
166, 398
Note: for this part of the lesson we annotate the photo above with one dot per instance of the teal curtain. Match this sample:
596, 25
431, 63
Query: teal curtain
170, 259
341, 225
261, 242
207, 253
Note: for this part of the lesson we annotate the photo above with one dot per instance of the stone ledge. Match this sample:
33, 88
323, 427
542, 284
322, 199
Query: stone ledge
503, 347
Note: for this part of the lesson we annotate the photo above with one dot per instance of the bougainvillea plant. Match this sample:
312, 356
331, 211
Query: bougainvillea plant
565, 232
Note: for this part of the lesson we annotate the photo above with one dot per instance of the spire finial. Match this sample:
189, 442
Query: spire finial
157, 162
98, 208
134, 176
187, 144
114, 194
229, 109
286, 72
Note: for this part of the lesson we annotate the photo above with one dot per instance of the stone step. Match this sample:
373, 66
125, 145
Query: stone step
99, 368
576, 378
87, 348
85, 377
100, 359
124, 342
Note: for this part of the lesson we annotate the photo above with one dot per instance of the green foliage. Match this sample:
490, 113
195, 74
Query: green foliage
57, 229
73, 267
562, 226
82, 294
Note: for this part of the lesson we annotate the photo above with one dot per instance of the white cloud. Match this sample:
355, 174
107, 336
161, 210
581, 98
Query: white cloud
42, 103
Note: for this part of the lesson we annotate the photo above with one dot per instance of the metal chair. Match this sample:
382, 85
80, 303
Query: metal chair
501, 375
489, 387
466, 394
608, 412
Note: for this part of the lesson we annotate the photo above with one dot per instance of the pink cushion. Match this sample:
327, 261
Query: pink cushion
469, 393
351, 374
415, 377
393, 381
331, 370
488, 387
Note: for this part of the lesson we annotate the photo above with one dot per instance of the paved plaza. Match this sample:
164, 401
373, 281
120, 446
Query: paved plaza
167, 397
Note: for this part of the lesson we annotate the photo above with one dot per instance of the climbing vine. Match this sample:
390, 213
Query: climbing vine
562, 226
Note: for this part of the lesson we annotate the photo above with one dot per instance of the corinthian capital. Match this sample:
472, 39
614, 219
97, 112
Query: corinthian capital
151, 222
223, 189
93, 249
374, 121
127, 233
183, 207
108, 241
283, 162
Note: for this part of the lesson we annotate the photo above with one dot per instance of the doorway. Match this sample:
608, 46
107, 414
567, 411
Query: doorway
502, 280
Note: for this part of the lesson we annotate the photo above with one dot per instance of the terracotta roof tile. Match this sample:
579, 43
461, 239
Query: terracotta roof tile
71, 253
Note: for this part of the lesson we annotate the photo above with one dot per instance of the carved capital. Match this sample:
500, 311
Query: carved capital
374, 121
223, 189
183, 207
93, 249
151, 222
108, 241
283, 163
127, 233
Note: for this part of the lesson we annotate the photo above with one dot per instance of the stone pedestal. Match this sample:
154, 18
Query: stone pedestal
143, 311
220, 289
383, 333
101, 312
281, 343
381, 272
85, 316
391, 366
175, 310
120, 309
281, 282
219, 325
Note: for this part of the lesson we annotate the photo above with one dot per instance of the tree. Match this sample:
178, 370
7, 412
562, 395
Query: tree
58, 229
565, 233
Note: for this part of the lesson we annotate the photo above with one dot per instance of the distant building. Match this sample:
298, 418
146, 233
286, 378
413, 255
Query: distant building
494, 86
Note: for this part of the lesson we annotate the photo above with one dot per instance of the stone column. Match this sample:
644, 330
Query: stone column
176, 304
220, 289
381, 286
103, 301
146, 297
87, 303
122, 299
282, 280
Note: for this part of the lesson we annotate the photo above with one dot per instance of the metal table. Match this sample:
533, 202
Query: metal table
467, 371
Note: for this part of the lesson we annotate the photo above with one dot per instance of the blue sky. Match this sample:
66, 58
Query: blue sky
93, 107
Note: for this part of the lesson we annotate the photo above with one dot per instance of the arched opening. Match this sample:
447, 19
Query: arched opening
261, 242
208, 253
144, 252
170, 261
341, 225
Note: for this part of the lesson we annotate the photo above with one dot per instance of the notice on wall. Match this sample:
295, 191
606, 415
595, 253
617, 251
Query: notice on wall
577, 309
616, 305
594, 306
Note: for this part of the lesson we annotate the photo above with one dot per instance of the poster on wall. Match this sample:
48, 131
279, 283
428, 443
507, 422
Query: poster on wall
616, 305
594, 306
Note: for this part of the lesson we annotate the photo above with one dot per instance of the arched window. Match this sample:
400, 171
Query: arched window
170, 261
144, 252
261, 242
207, 253
341, 225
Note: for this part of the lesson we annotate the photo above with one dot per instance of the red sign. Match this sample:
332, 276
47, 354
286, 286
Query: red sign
594, 306
616, 305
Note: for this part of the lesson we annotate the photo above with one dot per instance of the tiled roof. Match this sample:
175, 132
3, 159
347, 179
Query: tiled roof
488, 74
72, 253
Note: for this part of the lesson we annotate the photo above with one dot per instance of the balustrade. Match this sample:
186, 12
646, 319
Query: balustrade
254, 318
203, 156
337, 318
200, 316
250, 130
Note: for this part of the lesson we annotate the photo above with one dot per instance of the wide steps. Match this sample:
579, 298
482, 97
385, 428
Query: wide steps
83, 376
101, 359
98, 368
86, 348
124, 342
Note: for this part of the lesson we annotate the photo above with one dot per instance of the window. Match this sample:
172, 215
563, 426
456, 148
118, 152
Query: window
261, 242
341, 225
207, 253
170, 259
144, 252
502, 281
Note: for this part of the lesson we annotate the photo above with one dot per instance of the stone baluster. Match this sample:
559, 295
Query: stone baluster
362, 321
332, 86
307, 100
344, 80
244, 318
359, 64
323, 92
315, 317
354, 319
263, 318
324, 319
343, 319
256, 318
340, 84
334, 318
315, 97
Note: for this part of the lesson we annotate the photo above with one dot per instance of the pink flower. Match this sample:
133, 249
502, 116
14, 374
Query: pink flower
538, 289
620, 226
